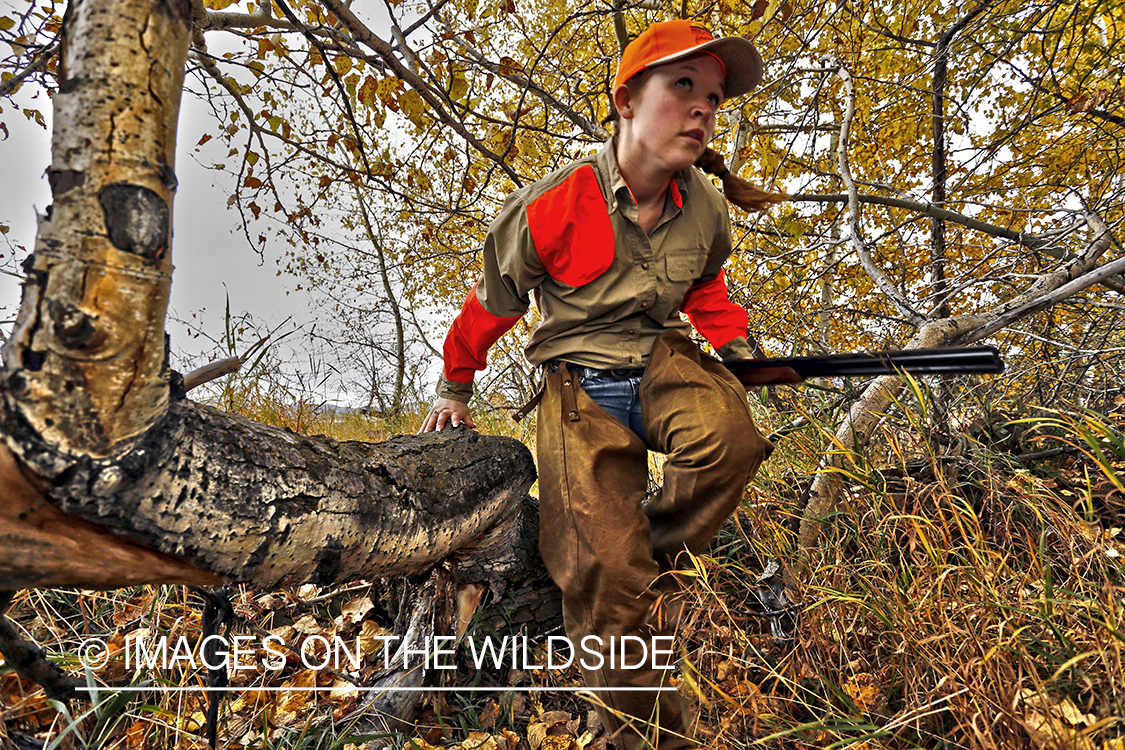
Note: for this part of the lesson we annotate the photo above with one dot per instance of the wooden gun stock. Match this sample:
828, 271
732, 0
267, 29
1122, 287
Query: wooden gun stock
952, 361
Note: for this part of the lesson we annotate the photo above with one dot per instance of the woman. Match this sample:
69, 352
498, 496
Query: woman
615, 246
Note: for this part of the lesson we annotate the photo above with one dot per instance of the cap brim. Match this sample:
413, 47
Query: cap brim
740, 58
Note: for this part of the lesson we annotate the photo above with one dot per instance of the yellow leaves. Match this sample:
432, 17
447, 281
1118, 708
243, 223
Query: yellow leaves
479, 741
368, 93
1056, 724
458, 87
528, 147
387, 90
509, 66
419, 179
218, 4
553, 730
413, 107
866, 691
1081, 103
6, 22
354, 611
767, 9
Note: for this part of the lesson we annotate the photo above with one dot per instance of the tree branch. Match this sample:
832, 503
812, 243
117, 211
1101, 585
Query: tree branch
589, 127
386, 52
339, 85
867, 411
938, 161
13, 83
1031, 241
1049, 289
855, 236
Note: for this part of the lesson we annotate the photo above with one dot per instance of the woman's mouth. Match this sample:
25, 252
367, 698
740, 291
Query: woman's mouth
696, 134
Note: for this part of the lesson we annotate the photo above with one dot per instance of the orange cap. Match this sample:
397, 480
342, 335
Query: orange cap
669, 41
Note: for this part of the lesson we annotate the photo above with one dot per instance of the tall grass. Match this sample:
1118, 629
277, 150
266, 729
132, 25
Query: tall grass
952, 604
964, 600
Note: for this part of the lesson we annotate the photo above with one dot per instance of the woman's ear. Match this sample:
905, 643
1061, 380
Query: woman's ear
623, 99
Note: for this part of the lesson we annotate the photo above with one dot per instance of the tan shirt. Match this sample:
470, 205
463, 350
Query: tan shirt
605, 289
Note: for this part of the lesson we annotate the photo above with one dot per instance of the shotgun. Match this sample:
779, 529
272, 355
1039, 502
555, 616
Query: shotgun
952, 361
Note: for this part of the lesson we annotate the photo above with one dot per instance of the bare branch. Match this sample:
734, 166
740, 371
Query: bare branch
869, 266
339, 84
589, 127
1027, 239
210, 372
1047, 290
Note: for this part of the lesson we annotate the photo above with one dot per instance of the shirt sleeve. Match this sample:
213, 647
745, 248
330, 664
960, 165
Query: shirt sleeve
497, 301
707, 302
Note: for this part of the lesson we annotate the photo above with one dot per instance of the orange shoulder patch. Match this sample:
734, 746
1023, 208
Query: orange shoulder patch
571, 229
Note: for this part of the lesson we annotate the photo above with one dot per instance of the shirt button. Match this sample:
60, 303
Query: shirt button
644, 266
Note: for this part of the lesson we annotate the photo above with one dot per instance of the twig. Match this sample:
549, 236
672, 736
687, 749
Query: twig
210, 372
30, 661
1037, 298
365, 36
336, 78
1027, 458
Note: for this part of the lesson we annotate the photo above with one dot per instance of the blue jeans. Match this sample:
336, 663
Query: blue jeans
619, 396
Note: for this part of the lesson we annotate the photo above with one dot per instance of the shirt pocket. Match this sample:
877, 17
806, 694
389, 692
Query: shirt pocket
684, 266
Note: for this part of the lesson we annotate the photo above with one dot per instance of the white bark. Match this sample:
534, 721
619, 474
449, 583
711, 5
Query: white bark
868, 410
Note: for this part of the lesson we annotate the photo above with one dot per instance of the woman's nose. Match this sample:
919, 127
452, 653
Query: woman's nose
703, 109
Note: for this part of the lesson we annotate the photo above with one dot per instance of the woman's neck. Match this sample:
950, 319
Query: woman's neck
647, 182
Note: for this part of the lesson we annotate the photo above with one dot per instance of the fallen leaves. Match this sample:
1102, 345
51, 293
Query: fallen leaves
1056, 723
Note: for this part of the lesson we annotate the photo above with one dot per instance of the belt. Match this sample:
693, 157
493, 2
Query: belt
582, 371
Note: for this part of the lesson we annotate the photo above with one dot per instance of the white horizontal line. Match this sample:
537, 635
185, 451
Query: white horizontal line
379, 689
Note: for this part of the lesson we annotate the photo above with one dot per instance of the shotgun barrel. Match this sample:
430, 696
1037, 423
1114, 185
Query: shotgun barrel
952, 361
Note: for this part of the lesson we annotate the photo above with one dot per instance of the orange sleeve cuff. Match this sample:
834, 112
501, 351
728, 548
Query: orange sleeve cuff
711, 312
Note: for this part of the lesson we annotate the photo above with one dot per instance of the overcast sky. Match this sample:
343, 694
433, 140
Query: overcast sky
211, 256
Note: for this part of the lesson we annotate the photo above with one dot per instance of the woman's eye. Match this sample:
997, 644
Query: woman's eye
684, 83
714, 100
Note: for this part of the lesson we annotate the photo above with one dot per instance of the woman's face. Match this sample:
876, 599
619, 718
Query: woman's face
671, 115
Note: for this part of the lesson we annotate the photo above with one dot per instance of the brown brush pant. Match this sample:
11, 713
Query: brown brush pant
605, 551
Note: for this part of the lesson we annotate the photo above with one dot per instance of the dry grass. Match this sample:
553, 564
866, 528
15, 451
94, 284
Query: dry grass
971, 602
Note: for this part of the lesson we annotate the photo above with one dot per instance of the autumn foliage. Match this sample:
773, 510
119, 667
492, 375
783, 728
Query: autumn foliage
949, 165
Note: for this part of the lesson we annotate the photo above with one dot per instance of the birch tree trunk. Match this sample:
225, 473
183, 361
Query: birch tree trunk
110, 476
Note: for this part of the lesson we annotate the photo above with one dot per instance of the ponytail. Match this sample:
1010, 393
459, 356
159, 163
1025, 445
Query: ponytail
737, 190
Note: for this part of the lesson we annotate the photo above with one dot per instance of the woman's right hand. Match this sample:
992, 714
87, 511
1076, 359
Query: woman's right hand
445, 409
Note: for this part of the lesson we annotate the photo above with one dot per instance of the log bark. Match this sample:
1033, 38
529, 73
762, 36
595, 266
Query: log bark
258, 504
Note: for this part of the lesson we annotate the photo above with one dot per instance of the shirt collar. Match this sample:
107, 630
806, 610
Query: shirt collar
607, 164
